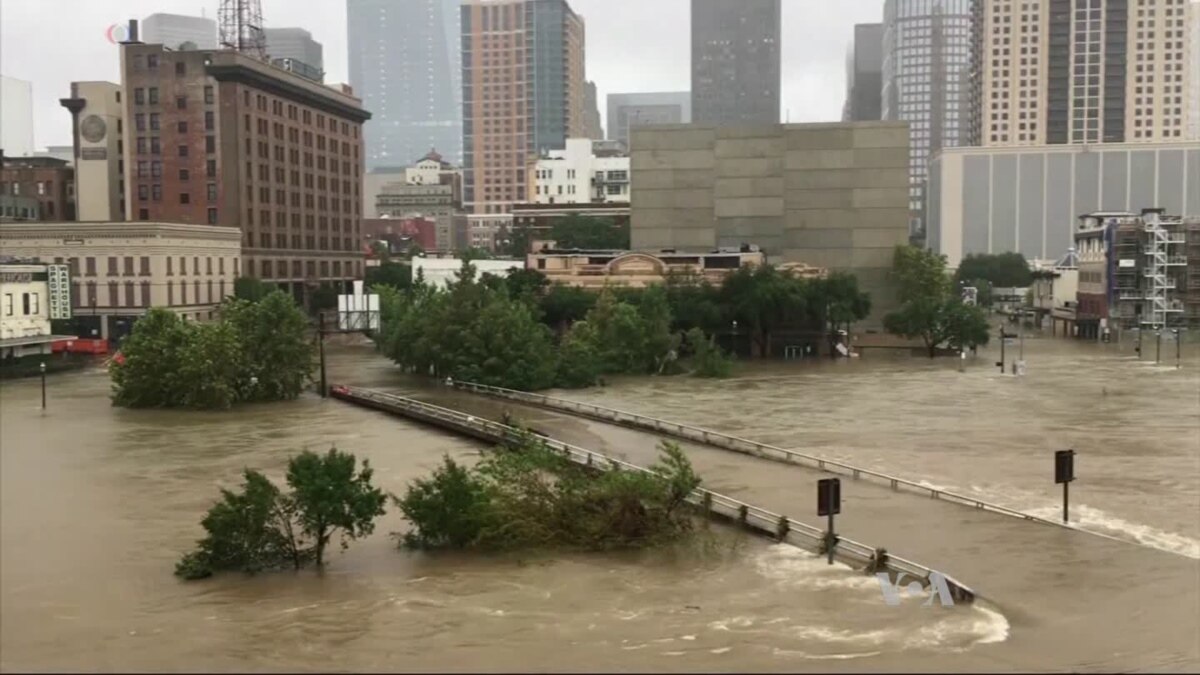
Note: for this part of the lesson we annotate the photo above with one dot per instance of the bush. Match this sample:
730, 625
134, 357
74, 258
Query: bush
531, 497
707, 358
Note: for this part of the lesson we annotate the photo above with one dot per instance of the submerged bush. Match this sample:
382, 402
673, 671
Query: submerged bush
529, 496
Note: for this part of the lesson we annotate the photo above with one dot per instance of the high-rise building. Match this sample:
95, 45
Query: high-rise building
225, 139
16, 117
1193, 34
735, 61
405, 62
1079, 71
296, 44
176, 30
925, 53
593, 128
98, 129
626, 111
864, 74
523, 94
580, 174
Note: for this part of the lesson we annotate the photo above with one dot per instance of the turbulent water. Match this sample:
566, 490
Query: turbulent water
96, 504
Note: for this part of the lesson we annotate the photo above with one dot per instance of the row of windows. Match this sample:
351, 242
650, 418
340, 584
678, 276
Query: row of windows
124, 265
152, 146
301, 242
281, 221
294, 113
274, 269
149, 96
30, 304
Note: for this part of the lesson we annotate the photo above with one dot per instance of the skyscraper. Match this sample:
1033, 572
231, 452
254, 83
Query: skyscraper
735, 61
296, 44
864, 74
626, 111
405, 63
926, 50
508, 47
1079, 71
175, 30
593, 129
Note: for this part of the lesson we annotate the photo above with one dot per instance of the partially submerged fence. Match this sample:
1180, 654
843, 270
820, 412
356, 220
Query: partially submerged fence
741, 445
715, 505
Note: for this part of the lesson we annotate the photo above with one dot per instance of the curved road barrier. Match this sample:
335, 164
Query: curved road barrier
726, 442
714, 505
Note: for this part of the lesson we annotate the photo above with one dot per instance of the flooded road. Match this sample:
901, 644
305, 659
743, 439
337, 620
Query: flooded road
97, 503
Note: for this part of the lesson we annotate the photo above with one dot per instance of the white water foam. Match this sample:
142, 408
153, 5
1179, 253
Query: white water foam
801, 569
1091, 519
806, 655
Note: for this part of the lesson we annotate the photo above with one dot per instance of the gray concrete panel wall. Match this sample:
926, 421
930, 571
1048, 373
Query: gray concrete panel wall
1114, 193
832, 195
977, 178
1004, 204
1060, 216
1171, 180
1142, 176
1031, 230
1087, 183
933, 209
1191, 196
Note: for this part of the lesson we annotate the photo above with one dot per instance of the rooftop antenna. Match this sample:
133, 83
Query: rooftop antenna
242, 27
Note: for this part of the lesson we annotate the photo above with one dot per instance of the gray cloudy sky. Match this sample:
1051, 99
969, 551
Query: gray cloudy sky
632, 45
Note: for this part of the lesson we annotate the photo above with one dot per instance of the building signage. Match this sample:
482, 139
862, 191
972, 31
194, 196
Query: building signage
93, 153
1127, 263
60, 292
16, 277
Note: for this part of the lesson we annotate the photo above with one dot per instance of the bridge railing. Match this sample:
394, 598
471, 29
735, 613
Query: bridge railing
742, 445
783, 528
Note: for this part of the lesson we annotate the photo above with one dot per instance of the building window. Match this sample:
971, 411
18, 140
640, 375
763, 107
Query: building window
183, 293
208, 94
8, 304
143, 192
181, 102
212, 192
156, 192
210, 144
183, 151
170, 292
139, 96
154, 122
209, 121
145, 294
153, 95
143, 214
180, 68
210, 168
170, 266
184, 174
212, 216
90, 265
130, 301
145, 265
185, 198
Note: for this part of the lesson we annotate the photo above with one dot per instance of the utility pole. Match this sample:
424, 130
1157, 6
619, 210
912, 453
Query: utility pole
1158, 347
1178, 363
43, 369
1000, 363
321, 338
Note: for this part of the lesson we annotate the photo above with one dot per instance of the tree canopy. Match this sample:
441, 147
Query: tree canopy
256, 351
1005, 270
590, 232
931, 308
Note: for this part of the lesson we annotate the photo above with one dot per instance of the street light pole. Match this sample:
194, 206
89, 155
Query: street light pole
1158, 346
1178, 364
43, 369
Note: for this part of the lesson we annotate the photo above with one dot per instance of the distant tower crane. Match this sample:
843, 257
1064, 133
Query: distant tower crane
242, 27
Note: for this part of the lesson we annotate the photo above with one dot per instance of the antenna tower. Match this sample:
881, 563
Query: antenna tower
242, 27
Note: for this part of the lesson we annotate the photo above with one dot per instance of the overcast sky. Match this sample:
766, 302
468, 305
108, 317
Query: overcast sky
632, 45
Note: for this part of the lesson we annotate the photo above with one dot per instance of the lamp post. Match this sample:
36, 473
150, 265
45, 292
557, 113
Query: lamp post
1158, 346
43, 369
1178, 363
733, 342
1000, 363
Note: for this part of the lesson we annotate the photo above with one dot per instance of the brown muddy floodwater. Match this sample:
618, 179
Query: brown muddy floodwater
97, 503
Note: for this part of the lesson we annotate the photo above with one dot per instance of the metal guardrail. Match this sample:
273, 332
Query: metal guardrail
742, 445
780, 527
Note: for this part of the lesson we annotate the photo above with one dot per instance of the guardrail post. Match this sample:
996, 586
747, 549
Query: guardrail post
744, 515
707, 502
878, 561
589, 459
782, 529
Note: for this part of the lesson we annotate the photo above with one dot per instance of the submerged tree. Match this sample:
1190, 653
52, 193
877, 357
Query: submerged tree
261, 528
930, 308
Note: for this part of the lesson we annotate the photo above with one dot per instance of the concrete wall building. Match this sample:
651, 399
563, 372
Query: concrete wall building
174, 31
831, 195
16, 117
405, 62
296, 44
434, 202
523, 94
1079, 71
736, 61
578, 174
864, 75
925, 54
626, 111
997, 200
98, 128
48, 180
119, 270
219, 138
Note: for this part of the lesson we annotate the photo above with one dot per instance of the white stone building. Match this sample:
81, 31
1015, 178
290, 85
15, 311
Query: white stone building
439, 272
24, 310
579, 174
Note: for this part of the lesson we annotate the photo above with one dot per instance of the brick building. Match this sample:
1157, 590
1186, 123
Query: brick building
49, 181
219, 138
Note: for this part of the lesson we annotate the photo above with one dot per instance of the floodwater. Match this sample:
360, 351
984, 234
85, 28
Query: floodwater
96, 504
